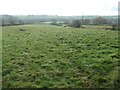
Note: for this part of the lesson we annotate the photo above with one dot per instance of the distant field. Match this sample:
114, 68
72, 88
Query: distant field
54, 56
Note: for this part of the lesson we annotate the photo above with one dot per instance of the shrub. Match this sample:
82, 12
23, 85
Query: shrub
76, 24
114, 27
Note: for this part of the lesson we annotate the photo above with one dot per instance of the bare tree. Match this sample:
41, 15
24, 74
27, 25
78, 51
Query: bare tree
99, 21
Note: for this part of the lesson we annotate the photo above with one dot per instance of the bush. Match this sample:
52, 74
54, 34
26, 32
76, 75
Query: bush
114, 27
76, 24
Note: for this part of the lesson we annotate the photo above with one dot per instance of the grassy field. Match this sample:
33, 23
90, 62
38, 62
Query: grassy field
41, 56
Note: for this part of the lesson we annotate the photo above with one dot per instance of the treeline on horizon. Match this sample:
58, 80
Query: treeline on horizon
9, 20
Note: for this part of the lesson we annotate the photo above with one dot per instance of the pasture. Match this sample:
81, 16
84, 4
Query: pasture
39, 56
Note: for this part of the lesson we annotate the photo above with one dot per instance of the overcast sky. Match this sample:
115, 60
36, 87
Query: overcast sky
59, 7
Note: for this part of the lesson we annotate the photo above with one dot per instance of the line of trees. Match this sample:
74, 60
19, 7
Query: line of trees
11, 20
96, 21
74, 21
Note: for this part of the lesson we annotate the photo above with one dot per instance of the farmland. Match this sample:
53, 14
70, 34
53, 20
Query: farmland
38, 56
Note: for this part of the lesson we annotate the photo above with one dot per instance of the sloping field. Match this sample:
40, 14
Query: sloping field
54, 56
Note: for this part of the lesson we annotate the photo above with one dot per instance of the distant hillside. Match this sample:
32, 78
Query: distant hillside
30, 19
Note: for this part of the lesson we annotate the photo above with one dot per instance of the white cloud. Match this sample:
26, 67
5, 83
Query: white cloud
58, 7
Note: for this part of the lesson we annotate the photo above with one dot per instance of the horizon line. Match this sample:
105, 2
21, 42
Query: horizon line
51, 15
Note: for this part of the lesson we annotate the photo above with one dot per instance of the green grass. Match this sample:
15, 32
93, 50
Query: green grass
62, 57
